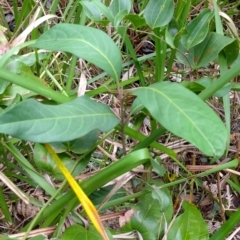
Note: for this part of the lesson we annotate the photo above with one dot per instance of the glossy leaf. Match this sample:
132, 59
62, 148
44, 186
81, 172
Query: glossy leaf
189, 226
205, 52
158, 13
183, 113
148, 219
37, 122
85, 42
197, 29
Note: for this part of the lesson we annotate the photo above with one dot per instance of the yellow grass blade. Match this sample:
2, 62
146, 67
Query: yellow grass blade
86, 203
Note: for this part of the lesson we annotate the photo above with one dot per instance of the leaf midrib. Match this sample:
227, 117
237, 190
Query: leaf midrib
183, 113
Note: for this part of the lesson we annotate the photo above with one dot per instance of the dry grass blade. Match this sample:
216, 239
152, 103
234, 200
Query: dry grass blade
14, 188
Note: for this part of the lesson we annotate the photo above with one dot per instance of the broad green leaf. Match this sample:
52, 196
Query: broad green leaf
37, 122
46, 163
162, 195
183, 113
204, 52
197, 29
91, 11
136, 106
189, 226
119, 5
85, 42
231, 52
20, 65
103, 9
148, 219
76, 232
136, 20
158, 13
80, 145
119, 17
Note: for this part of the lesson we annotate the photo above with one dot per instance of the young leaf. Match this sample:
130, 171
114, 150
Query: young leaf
85, 42
136, 20
183, 113
119, 5
37, 122
148, 219
91, 11
190, 225
158, 13
204, 52
197, 29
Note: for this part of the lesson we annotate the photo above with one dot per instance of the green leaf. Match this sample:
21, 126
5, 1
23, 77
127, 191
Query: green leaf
193, 86
148, 219
80, 145
205, 52
4, 237
46, 163
189, 226
158, 13
183, 113
119, 17
33, 121
162, 195
103, 9
231, 52
136, 20
91, 11
119, 9
227, 227
39, 237
88, 43
119, 5
77, 232
97, 197
206, 82
159, 169
197, 29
